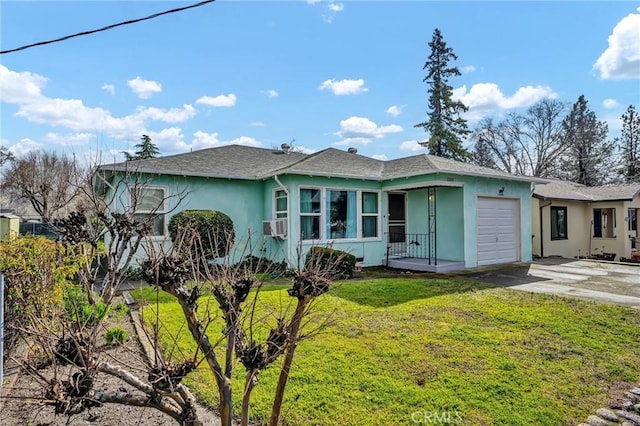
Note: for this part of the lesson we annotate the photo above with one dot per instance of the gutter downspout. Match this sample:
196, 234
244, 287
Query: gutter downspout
541, 233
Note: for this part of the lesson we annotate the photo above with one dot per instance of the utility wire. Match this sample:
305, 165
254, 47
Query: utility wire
108, 27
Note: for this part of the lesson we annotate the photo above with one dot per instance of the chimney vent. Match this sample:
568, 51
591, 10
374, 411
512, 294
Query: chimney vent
352, 150
285, 148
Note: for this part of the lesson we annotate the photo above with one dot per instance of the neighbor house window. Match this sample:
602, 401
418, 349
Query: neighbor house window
334, 214
280, 204
369, 214
150, 207
604, 223
310, 212
558, 223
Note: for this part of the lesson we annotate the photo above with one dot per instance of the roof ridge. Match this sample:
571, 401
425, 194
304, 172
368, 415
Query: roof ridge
305, 158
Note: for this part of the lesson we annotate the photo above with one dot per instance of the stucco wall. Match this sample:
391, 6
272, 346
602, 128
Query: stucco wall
248, 203
580, 241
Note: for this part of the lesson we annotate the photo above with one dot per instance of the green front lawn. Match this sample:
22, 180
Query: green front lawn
403, 347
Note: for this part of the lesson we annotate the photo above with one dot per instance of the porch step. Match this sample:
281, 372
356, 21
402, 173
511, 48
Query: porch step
422, 265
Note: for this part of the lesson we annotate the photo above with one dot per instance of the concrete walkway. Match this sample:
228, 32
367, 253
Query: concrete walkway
606, 282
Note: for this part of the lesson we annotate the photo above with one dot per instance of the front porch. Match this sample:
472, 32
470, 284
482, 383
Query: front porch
417, 252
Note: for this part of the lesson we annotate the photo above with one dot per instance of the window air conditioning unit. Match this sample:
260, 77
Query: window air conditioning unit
275, 228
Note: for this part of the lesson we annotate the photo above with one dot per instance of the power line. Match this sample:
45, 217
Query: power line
108, 27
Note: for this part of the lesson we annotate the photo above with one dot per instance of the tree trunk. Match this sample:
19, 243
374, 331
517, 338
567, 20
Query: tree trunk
250, 383
288, 359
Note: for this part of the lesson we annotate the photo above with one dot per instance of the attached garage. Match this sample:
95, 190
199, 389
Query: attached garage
498, 230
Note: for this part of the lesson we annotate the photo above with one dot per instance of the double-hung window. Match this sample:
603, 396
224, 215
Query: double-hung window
336, 214
310, 213
150, 207
370, 215
281, 204
558, 223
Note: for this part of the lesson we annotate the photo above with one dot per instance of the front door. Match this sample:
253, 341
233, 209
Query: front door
397, 220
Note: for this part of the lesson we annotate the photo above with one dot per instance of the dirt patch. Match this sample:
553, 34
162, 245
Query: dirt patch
22, 400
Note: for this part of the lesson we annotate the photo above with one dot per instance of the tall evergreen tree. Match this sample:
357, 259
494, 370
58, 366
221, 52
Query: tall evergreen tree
629, 144
445, 126
145, 149
587, 147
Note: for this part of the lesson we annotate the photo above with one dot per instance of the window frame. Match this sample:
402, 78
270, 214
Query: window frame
159, 211
324, 214
280, 214
319, 215
364, 215
554, 213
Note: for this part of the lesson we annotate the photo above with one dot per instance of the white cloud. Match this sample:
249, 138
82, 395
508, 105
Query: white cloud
271, 93
304, 149
218, 101
173, 115
144, 88
331, 9
610, 103
257, 123
361, 131
203, 140
344, 87
467, 69
412, 146
24, 146
244, 140
335, 7
621, 59
109, 88
380, 157
169, 140
70, 139
20, 87
483, 98
395, 110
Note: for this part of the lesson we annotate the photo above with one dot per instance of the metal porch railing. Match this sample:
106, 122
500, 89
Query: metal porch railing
410, 245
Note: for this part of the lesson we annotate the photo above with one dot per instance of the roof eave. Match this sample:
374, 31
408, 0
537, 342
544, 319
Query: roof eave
459, 173
178, 173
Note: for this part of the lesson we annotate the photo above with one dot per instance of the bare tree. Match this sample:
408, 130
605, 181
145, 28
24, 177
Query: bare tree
526, 144
5, 155
51, 183
69, 344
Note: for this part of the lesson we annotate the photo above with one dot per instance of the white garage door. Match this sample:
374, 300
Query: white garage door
498, 230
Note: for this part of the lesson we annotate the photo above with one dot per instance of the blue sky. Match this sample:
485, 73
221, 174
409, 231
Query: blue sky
262, 73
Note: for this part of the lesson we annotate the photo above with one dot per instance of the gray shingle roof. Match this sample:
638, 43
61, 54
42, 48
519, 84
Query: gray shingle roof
336, 163
230, 161
563, 190
243, 162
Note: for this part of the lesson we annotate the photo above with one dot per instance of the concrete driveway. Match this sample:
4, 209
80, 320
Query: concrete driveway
605, 282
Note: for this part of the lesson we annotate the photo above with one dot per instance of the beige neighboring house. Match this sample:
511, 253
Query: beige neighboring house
572, 220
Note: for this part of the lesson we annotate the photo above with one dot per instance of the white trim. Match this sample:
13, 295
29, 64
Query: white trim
274, 203
323, 213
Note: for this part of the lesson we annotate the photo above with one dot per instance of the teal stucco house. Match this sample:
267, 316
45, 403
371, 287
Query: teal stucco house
421, 212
